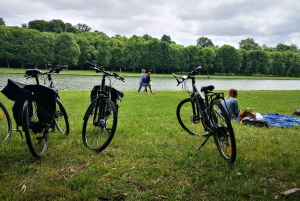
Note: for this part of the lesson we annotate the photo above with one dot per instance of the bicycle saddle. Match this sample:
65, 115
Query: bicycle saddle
207, 88
33, 72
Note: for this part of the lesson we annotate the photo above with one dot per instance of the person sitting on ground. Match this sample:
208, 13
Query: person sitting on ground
230, 104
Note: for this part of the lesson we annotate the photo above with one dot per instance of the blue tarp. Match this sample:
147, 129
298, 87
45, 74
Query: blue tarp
281, 121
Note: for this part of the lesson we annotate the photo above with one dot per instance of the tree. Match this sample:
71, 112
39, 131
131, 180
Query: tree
243, 56
48, 47
276, 64
282, 47
167, 39
40, 25
228, 59
117, 54
204, 42
86, 48
6, 43
209, 54
102, 53
249, 44
2, 21
257, 62
195, 56
83, 27
152, 54
294, 48
289, 60
295, 67
67, 50
70, 28
57, 26
133, 52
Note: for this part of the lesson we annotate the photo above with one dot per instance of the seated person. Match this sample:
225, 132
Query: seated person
230, 104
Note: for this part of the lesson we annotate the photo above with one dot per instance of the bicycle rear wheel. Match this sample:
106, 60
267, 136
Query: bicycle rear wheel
61, 122
5, 122
36, 133
223, 131
99, 130
189, 117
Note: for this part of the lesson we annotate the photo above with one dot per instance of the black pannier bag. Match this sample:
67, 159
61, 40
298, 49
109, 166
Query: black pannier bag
45, 99
115, 94
13, 91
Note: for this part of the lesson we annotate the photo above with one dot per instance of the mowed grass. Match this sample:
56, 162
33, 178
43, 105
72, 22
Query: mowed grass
152, 158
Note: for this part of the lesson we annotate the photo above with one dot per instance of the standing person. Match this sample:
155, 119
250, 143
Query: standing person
148, 83
142, 80
230, 102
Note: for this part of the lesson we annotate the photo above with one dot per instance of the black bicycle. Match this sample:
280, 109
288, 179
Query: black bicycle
204, 115
5, 121
37, 109
100, 119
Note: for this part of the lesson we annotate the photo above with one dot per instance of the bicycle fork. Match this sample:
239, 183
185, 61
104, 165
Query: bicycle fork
99, 118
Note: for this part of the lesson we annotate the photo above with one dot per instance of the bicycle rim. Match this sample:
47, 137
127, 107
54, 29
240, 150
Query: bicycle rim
61, 122
99, 130
36, 132
190, 121
223, 132
5, 122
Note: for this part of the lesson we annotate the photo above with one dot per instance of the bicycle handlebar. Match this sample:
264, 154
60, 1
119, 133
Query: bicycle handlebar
101, 69
57, 69
29, 73
190, 75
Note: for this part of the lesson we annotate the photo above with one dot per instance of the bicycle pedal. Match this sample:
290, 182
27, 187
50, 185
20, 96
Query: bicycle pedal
195, 119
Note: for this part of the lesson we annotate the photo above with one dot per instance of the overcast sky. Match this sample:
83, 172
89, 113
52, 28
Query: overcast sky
268, 22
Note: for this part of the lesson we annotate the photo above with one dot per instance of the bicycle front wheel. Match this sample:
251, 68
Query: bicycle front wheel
61, 122
36, 133
223, 131
5, 121
189, 117
98, 130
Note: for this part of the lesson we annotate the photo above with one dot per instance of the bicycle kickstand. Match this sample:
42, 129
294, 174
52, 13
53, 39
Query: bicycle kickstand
203, 143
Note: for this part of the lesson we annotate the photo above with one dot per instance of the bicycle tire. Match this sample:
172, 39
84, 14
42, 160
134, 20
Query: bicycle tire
99, 135
223, 131
191, 121
5, 122
61, 121
36, 133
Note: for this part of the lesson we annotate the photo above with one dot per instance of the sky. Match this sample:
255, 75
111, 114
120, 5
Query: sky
267, 22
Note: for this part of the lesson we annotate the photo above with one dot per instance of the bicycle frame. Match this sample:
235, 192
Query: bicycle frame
202, 103
101, 94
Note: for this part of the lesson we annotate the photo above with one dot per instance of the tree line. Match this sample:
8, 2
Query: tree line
44, 44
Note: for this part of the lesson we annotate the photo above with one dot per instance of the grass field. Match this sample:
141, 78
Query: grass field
152, 158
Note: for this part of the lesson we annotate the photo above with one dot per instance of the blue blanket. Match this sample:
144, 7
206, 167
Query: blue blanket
281, 121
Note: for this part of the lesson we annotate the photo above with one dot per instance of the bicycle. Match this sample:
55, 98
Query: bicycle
100, 119
37, 109
207, 110
5, 121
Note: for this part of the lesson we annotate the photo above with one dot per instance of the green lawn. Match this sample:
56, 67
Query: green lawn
152, 158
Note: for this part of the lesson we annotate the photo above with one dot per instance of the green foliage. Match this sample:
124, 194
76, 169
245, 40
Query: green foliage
152, 158
228, 59
67, 50
204, 42
41, 43
249, 44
